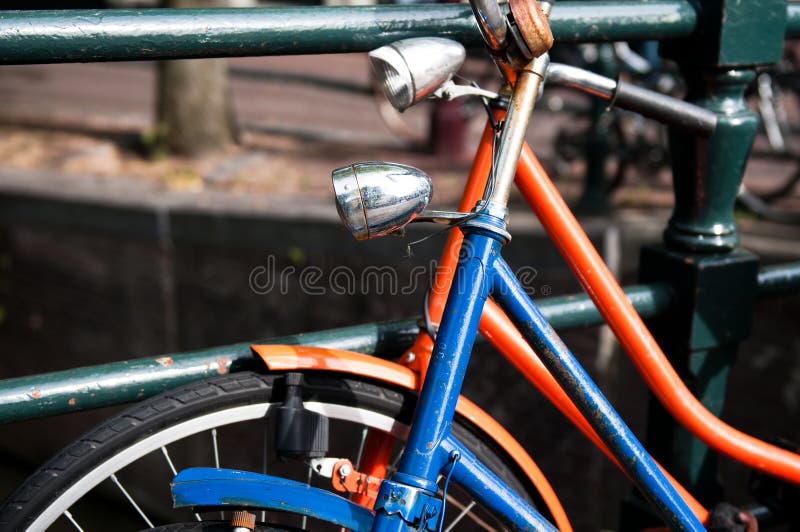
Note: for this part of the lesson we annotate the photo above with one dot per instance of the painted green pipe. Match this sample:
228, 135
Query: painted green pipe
779, 279
122, 382
65, 36
793, 20
578, 311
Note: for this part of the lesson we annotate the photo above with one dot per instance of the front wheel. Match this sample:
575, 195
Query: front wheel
120, 471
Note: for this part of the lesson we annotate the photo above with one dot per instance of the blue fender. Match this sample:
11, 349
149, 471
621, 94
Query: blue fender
209, 487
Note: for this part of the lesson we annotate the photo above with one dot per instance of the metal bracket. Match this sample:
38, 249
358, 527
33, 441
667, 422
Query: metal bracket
450, 91
415, 505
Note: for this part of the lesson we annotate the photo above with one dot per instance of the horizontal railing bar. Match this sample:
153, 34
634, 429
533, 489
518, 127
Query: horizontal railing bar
793, 20
779, 279
122, 382
65, 36
116, 383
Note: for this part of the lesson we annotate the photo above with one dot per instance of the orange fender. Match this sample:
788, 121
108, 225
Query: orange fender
288, 357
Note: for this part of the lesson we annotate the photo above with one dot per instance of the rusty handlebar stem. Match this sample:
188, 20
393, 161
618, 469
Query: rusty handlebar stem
515, 38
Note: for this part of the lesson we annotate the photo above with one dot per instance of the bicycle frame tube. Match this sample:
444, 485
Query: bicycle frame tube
480, 270
429, 448
598, 282
638, 464
449, 360
498, 329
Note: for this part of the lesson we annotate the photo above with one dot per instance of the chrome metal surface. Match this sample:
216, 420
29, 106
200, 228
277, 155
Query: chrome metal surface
451, 91
492, 209
491, 22
378, 198
631, 59
492, 217
411, 69
584, 80
523, 100
440, 217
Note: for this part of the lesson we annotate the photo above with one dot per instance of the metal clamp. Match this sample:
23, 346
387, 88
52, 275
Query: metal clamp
416, 506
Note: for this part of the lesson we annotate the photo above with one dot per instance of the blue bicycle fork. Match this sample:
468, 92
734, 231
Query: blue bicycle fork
406, 501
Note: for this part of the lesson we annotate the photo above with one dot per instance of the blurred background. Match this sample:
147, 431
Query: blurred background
136, 199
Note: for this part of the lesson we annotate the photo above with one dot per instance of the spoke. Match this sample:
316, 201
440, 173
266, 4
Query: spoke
265, 457
397, 458
116, 481
169, 461
174, 471
305, 517
460, 516
215, 445
361, 447
478, 521
71, 519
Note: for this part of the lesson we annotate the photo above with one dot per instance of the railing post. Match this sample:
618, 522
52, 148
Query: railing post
714, 280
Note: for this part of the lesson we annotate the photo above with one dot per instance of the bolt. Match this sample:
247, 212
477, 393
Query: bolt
410, 357
345, 470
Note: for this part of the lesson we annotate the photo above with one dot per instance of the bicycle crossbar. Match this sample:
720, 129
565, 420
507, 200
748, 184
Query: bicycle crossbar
116, 383
119, 35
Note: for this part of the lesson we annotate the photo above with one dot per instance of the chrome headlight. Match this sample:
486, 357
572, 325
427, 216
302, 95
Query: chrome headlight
378, 198
411, 69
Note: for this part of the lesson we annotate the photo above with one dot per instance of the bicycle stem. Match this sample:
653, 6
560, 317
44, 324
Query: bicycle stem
523, 100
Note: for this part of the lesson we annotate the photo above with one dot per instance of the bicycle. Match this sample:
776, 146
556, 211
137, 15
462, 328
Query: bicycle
307, 387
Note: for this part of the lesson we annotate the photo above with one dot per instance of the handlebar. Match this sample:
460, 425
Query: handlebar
527, 29
651, 104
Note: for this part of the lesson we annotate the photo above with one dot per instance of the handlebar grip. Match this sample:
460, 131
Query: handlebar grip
664, 108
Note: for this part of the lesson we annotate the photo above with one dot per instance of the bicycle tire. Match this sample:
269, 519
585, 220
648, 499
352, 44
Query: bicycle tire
191, 410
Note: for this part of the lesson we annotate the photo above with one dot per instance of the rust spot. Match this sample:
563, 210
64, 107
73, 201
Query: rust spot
533, 25
165, 361
222, 363
36, 394
72, 402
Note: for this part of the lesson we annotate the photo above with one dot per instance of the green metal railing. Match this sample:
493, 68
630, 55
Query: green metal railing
118, 35
717, 45
122, 382
793, 20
